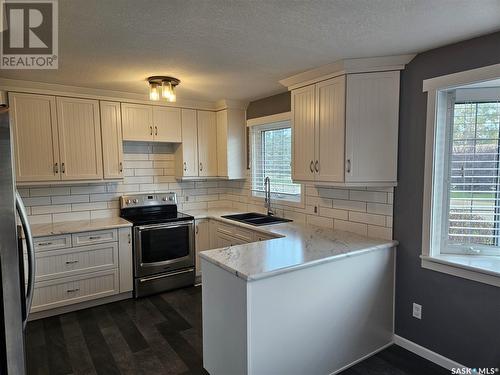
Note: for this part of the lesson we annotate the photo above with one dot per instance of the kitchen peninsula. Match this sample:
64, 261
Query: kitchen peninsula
312, 301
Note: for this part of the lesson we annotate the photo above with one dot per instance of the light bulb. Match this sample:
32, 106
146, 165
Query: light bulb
167, 90
154, 92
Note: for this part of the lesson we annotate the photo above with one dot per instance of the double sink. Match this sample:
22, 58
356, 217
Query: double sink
256, 219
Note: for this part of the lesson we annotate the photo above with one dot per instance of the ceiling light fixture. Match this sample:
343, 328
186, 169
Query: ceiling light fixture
167, 86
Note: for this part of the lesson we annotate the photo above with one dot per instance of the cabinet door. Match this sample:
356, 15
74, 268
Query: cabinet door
112, 145
36, 146
372, 114
137, 122
167, 124
207, 143
330, 129
79, 139
202, 240
187, 154
303, 133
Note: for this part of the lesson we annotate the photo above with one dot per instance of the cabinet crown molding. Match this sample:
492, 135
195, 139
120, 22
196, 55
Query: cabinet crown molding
347, 66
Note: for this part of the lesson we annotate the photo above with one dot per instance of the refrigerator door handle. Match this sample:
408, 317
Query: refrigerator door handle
31, 254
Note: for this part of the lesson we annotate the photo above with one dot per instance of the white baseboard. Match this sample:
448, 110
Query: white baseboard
426, 353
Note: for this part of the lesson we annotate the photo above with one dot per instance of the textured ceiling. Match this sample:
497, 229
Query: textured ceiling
239, 49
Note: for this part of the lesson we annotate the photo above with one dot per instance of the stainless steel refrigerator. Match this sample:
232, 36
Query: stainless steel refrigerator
16, 290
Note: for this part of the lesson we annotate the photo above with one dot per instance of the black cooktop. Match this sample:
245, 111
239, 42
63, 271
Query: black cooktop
153, 215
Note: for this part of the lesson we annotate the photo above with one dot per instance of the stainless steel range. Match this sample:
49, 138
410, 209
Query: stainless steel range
163, 243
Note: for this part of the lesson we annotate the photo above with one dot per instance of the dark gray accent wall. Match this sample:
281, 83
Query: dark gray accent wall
269, 106
460, 318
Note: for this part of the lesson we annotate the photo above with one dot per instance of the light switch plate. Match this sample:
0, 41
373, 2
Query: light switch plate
417, 311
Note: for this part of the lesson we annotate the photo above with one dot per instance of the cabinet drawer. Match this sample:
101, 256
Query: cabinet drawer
69, 290
52, 242
88, 238
235, 231
83, 259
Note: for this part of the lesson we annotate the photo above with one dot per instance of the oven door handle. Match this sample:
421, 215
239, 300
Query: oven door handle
170, 225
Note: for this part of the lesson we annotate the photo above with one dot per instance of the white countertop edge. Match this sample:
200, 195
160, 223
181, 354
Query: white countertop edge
264, 275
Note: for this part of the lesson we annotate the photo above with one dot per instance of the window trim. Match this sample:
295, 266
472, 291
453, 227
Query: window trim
269, 120
460, 265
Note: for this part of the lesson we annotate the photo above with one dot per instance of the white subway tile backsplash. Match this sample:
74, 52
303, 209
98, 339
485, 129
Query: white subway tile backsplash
379, 208
49, 191
37, 201
368, 196
70, 216
88, 189
150, 168
349, 205
333, 193
62, 199
333, 213
55, 208
361, 217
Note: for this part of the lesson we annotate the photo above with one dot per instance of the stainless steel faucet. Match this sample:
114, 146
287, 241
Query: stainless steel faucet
267, 201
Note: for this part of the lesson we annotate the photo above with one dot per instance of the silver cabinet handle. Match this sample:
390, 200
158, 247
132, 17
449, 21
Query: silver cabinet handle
201, 166
44, 243
150, 130
72, 290
23, 216
348, 165
156, 130
316, 166
185, 167
311, 166
56, 168
63, 168
196, 231
72, 261
129, 238
121, 167
94, 237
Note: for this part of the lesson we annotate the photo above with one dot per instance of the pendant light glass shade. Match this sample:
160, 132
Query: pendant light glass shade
154, 91
168, 91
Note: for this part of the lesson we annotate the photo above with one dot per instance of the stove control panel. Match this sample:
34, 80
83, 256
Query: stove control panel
144, 200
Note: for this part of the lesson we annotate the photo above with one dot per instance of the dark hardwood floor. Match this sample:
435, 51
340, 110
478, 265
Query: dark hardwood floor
155, 335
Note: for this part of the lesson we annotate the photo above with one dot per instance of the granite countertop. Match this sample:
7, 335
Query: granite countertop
52, 229
298, 246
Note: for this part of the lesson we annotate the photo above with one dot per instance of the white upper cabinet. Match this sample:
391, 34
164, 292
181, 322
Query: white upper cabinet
167, 124
345, 130
112, 145
303, 133
372, 127
137, 122
36, 145
151, 123
207, 144
79, 139
186, 154
330, 127
231, 152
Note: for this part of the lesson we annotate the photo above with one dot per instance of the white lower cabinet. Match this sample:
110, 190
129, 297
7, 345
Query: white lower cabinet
61, 292
202, 240
78, 267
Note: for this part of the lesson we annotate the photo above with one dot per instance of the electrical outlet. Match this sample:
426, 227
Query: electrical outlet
417, 311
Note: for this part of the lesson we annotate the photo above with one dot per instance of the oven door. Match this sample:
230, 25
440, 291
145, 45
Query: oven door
163, 247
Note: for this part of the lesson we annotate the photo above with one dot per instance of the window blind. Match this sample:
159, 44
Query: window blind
474, 182
271, 155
